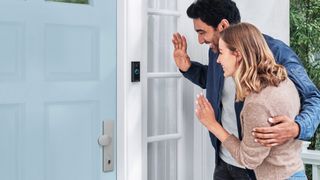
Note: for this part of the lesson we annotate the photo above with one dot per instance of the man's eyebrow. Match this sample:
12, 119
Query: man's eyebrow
199, 30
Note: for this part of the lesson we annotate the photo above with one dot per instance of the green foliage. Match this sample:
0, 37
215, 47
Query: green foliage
305, 40
305, 34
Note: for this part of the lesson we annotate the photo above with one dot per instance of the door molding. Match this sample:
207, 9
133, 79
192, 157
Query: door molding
121, 132
130, 159
129, 123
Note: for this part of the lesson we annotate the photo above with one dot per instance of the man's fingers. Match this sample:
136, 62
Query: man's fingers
278, 119
263, 136
184, 43
174, 42
271, 145
263, 130
179, 40
266, 142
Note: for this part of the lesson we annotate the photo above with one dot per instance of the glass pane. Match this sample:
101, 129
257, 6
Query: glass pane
72, 1
162, 160
163, 4
160, 48
162, 106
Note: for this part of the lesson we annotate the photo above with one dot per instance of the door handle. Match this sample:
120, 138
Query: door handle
105, 141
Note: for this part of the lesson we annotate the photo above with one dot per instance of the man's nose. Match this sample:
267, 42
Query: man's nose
200, 39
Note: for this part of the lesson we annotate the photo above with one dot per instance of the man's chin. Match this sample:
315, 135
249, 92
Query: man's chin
214, 50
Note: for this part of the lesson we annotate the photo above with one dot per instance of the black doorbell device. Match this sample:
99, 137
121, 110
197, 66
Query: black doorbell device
135, 71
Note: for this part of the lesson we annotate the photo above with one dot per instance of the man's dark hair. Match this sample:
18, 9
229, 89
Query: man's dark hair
212, 12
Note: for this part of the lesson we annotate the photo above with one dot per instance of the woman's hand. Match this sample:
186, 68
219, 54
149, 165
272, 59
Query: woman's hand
205, 114
204, 111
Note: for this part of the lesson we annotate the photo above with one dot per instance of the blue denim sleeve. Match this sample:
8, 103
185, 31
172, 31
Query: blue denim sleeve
309, 117
197, 73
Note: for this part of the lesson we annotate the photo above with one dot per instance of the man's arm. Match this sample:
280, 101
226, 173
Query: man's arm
309, 117
197, 73
194, 71
308, 120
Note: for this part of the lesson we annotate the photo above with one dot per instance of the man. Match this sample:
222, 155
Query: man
210, 17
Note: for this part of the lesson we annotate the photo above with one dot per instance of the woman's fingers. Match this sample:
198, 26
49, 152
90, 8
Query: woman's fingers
208, 104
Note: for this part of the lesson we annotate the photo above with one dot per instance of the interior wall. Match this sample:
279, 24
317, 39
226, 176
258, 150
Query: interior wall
271, 17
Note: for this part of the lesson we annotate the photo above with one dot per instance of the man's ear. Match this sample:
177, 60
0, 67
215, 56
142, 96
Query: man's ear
223, 25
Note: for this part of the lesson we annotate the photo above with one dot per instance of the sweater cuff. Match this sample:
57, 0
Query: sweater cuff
231, 142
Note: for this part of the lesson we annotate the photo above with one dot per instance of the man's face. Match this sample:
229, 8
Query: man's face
207, 34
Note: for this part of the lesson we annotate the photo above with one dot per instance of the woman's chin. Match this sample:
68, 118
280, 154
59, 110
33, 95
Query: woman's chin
226, 74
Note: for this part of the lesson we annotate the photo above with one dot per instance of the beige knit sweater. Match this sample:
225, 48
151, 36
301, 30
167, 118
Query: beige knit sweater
276, 163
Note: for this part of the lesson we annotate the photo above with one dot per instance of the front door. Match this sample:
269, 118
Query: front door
57, 86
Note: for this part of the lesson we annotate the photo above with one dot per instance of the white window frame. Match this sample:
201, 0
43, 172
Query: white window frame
130, 148
160, 75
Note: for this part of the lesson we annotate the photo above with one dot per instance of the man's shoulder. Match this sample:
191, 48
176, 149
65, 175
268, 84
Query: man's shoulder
281, 51
273, 42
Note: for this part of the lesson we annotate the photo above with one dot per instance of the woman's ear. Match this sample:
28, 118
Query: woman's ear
238, 56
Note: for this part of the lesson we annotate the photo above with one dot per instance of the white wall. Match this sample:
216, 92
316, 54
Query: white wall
271, 17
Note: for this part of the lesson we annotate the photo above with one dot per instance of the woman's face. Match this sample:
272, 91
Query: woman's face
227, 59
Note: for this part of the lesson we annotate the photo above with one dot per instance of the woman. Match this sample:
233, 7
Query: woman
266, 91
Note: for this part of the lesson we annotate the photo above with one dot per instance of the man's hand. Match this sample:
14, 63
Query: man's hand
180, 55
283, 129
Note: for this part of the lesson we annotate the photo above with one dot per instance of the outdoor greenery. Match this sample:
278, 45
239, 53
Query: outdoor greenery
305, 40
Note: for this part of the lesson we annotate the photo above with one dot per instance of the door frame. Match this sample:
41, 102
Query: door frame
130, 158
129, 147
121, 157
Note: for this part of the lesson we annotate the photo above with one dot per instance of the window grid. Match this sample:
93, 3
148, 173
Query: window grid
163, 138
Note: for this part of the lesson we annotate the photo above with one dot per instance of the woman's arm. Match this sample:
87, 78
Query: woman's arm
246, 152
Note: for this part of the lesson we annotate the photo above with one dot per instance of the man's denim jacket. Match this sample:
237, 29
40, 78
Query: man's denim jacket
210, 77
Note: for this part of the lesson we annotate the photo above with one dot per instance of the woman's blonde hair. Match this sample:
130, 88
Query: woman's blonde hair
258, 68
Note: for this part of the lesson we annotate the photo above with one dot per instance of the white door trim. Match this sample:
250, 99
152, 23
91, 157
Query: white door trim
121, 156
129, 123
130, 158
